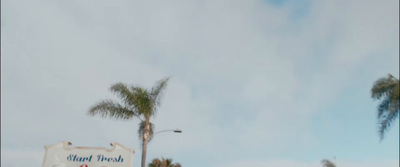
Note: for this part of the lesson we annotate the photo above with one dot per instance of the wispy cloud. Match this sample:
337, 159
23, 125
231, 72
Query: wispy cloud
247, 77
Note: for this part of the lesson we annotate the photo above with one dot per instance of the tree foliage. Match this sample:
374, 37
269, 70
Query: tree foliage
327, 163
387, 90
135, 102
163, 163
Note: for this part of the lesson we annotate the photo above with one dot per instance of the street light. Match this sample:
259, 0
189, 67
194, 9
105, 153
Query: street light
174, 130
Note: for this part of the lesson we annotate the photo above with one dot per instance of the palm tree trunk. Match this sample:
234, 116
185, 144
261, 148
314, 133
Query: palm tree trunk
144, 151
146, 138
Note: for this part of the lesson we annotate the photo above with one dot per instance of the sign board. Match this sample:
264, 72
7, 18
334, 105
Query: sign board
61, 155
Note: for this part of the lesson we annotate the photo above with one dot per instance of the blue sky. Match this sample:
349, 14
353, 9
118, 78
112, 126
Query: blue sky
254, 83
298, 8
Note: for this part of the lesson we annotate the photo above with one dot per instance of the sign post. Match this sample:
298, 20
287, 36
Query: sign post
61, 155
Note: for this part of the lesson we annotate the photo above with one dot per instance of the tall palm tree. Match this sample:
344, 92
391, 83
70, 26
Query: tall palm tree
327, 163
136, 102
386, 88
163, 163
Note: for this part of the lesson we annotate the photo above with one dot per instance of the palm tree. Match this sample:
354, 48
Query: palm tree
163, 163
327, 163
386, 88
137, 102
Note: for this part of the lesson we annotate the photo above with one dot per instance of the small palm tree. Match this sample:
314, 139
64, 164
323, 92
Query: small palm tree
327, 163
387, 89
136, 102
163, 163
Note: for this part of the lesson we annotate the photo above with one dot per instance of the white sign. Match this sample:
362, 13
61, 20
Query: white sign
61, 155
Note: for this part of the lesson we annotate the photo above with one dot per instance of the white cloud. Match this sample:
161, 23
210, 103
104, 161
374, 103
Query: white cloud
238, 70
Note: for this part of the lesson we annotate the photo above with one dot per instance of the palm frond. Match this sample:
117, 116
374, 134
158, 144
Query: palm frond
384, 107
124, 93
143, 100
112, 109
157, 92
383, 87
168, 162
388, 89
155, 163
141, 131
327, 163
163, 162
177, 165
386, 121
396, 91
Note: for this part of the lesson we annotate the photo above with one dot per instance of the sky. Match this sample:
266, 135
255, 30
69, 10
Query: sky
261, 83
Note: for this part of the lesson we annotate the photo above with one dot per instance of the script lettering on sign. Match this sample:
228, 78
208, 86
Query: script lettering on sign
61, 155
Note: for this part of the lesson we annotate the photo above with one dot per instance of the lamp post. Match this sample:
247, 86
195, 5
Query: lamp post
169, 130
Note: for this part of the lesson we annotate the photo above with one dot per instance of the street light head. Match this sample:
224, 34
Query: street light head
177, 131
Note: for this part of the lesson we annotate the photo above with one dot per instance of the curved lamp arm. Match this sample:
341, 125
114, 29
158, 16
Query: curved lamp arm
175, 131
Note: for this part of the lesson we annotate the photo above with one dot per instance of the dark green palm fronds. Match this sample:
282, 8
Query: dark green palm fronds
156, 93
112, 109
386, 121
124, 93
383, 107
143, 101
164, 162
155, 163
387, 89
327, 163
384, 87
136, 101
